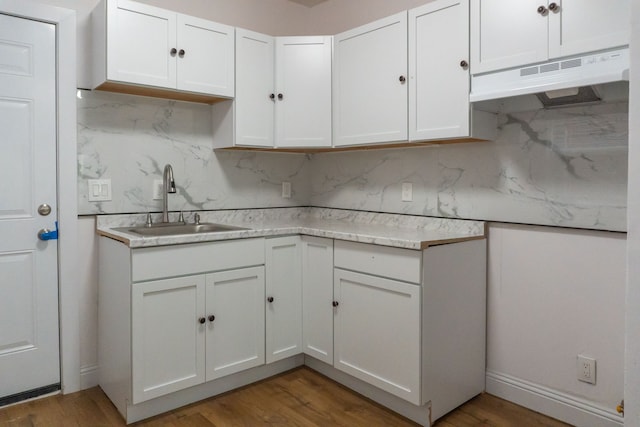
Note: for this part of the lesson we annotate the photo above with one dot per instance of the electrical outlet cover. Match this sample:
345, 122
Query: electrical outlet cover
586, 369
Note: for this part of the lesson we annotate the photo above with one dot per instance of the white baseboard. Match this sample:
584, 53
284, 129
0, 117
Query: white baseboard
556, 404
88, 376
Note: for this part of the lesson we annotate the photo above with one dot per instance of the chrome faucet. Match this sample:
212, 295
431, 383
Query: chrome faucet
168, 186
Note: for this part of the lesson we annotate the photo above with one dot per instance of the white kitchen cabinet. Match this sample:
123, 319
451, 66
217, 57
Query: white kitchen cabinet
377, 332
167, 338
512, 34
175, 317
235, 321
370, 97
439, 105
139, 45
283, 297
317, 298
283, 94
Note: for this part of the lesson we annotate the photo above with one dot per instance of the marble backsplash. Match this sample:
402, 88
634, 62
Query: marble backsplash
564, 167
129, 139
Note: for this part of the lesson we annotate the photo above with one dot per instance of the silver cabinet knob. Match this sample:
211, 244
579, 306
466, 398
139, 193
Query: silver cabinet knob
542, 10
554, 7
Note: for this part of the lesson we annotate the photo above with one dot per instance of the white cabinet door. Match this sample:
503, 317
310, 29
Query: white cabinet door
139, 42
377, 332
234, 321
317, 298
370, 87
438, 78
283, 284
507, 34
205, 56
303, 88
255, 95
167, 338
578, 26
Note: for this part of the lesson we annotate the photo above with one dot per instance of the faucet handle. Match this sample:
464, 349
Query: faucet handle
181, 217
196, 218
148, 222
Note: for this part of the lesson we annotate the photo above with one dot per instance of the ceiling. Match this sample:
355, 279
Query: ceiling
308, 3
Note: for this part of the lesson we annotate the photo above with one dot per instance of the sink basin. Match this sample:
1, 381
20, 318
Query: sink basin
175, 229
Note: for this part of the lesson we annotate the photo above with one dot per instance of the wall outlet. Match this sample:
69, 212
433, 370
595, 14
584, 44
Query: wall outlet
407, 192
286, 190
157, 189
586, 369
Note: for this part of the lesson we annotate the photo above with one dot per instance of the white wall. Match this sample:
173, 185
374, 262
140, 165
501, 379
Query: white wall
554, 294
632, 351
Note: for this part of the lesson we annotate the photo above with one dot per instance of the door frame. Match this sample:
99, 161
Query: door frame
65, 22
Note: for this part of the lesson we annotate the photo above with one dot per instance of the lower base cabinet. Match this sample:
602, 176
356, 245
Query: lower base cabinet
188, 317
377, 332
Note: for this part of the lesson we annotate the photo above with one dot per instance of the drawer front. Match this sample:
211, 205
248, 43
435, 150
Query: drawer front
394, 263
195, 258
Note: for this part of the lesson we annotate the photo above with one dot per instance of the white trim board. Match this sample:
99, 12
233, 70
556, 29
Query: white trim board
88, 376
562, 406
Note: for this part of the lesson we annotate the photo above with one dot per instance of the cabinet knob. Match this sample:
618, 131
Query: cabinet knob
272, 96
212, 318
270, 299
464, 64
402, 79
280, 96
554, 7
173, 51
202, 320
542, 10
181, 53
335, 303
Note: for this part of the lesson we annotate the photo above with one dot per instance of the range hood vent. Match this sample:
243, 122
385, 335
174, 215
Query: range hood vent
577, 73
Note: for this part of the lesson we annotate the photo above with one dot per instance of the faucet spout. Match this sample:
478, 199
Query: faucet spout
168, 186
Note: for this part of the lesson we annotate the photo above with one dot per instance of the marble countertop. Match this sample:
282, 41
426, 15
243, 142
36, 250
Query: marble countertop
401, 231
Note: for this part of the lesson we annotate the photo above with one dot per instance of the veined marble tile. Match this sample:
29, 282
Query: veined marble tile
129, 139
565, 167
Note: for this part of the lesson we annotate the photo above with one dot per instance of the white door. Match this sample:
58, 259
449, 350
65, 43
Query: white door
438, 77
377, 332
283, 284
255, 96
29, 351
205, 56
317, 297
303, 86
579, 26
140, 43
235, 321
167, 336
370, 87
507, 34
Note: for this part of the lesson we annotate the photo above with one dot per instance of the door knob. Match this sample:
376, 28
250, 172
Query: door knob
542, 10
464, 64
173, 51
46, 234
212, 318
402, 79
181, 53
270, 299
44, 209
202, 320
335, 303
554, 7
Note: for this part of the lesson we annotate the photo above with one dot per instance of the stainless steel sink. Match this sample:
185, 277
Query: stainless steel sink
176, 229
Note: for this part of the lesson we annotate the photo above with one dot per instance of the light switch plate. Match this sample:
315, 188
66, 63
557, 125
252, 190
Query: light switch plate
407, 192
157, 189
99, 190
286, 190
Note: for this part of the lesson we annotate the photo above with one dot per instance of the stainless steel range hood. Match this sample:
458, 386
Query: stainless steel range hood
565, 81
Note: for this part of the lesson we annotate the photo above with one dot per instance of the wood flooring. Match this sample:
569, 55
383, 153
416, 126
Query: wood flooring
300, 397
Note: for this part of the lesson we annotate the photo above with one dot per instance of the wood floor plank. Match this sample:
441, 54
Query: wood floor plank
298, 398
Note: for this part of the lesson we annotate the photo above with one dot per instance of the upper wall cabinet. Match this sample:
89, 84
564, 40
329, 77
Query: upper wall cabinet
164, 52
439, 74
370, 83
283, 95
527, 31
